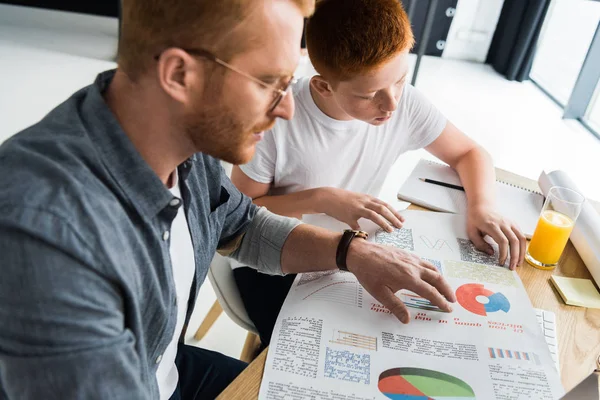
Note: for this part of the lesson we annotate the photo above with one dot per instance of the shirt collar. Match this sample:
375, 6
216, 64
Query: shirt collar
137, 181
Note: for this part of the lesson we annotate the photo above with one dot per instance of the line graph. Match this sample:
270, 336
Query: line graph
343, 292
437, 244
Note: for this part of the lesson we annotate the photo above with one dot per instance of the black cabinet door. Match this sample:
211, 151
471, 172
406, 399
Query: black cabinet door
442, 20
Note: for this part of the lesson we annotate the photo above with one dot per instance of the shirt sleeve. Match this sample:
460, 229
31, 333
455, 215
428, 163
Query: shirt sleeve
426, 121
62, 334
240, 212
262, 166
262, 244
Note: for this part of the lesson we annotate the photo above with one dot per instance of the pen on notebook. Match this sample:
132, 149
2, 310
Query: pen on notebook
448, 185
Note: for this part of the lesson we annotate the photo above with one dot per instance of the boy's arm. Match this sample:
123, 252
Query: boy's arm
343, 205
476, 170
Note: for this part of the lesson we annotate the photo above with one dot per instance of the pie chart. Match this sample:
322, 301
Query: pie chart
475, 298
422, 384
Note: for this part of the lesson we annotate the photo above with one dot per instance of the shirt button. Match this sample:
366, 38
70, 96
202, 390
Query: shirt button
174, 202
166, 235
158, 359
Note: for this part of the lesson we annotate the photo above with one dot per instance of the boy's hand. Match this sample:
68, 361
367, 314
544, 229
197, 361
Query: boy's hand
482, 221
349, 207
384, 270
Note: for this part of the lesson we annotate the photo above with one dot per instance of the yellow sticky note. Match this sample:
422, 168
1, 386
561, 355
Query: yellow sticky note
577, 292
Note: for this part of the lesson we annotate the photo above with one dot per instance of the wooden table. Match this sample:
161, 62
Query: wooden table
578, 328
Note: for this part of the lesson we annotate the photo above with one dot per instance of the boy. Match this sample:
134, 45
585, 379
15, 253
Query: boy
353, 121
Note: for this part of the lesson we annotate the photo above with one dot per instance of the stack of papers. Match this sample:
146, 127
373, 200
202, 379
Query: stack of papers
333, 340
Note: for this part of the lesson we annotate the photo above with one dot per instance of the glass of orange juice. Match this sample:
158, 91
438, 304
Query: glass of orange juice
557, 219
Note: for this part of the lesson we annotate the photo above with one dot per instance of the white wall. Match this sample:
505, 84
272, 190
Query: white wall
77, 34
472, 29
45, 56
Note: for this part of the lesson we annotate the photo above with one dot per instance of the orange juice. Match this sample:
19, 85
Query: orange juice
550, 237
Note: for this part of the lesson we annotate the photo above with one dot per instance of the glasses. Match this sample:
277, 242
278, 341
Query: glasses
278, 93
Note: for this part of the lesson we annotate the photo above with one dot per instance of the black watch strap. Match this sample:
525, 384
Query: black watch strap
342, 250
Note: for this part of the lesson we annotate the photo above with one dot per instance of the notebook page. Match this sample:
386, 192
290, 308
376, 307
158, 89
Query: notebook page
434, 197
518, 205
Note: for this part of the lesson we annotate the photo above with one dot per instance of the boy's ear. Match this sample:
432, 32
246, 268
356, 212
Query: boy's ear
323, 87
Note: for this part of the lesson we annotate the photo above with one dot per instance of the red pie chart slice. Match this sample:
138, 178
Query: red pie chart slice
467, 297
397, 384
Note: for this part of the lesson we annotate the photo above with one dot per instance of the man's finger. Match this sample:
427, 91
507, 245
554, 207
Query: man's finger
430, 293
437, 280
378, 219
515, 247
383, 210
396, 307
426, 264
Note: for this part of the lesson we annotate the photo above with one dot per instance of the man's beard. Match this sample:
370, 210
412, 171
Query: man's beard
219, 132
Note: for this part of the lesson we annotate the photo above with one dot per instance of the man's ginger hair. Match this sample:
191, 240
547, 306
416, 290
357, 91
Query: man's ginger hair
150, 26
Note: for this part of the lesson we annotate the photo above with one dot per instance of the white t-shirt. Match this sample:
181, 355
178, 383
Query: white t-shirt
313, 150
182, 262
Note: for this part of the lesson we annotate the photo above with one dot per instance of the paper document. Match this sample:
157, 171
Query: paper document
333, 340
515, 203
577, 292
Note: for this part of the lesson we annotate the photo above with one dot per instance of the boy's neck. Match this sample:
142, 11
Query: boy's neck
328, 106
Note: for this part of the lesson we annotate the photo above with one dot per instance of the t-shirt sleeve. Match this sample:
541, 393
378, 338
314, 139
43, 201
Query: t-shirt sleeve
262, 166
426, 121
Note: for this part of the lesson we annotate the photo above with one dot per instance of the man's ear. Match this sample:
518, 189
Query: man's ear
178, 73
321, 85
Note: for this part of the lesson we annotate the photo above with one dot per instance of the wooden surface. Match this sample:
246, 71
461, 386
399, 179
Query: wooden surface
251, 347
215, 311
247, 384
578, 328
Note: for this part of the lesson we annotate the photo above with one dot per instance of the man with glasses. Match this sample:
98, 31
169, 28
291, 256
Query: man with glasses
113, 205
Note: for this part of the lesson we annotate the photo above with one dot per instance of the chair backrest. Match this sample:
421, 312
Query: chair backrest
221, 277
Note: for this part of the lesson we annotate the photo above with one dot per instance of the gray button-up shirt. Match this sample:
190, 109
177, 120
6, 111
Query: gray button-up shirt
87, 298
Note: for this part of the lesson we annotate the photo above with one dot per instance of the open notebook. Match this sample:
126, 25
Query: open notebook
515, 203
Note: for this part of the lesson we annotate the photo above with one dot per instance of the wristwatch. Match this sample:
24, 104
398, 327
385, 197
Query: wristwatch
342, 249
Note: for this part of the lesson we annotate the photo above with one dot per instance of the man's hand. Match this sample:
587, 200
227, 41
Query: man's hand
349, 207
384, 270
482, 221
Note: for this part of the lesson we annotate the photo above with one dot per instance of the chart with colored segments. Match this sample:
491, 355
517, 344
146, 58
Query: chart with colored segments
474, 297
513, 354
415, 301
422, 384
334, 340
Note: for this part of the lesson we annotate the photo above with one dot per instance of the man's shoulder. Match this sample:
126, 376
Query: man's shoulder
51, 171
54, 137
